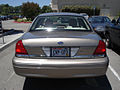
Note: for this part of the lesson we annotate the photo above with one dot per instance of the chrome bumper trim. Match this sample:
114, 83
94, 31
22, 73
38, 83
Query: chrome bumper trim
76, 57
60, 68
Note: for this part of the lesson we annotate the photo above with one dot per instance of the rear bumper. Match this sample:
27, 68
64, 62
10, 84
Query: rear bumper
59, 68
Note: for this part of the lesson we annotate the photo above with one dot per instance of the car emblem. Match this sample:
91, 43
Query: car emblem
60, 43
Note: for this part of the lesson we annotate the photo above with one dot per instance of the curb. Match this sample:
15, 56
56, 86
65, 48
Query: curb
3, 47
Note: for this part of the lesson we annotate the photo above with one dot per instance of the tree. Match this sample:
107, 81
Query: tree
30, 10
4, 9
17, 9
46, 9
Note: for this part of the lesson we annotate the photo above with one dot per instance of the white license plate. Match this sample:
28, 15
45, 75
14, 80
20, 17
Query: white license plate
60, 52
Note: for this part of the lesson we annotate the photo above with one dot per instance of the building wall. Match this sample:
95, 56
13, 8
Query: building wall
62, 3
108, 7
54, 5
113, 6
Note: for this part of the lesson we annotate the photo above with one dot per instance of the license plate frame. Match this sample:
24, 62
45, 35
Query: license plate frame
53, 52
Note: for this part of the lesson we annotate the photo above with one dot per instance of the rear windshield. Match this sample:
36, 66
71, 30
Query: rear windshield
60, 22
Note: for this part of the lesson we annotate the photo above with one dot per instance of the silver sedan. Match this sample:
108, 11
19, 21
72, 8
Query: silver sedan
60, 45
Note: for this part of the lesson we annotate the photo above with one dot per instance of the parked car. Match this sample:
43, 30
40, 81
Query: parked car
0, 26
85, 15
3, 17
99, 24
9, 17
60, 45
113, 34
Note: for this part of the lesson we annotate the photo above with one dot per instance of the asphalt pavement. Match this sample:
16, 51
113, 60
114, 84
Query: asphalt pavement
6, 70
10, 24
17, 30
10, 81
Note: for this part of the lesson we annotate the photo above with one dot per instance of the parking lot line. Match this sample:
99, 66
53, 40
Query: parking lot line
114, 72
10, 77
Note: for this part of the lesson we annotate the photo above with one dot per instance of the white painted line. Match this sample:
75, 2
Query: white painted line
10, 76
114, 72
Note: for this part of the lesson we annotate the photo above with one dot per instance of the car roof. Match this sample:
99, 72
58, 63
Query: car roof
98, 16
83, 14
60, 13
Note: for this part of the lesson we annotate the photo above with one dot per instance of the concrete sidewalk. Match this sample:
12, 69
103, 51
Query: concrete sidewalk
8, 40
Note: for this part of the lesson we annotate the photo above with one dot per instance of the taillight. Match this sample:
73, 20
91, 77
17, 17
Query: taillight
101, 48
20, 48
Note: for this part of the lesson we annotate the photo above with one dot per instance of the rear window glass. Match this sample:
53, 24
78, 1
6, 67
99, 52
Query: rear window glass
60, 22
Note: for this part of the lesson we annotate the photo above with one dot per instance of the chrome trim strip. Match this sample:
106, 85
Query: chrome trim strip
73, 57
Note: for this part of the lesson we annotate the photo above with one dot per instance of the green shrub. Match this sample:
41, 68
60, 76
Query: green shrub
19, 20
29, 19
46, 9
81, 9
24, 20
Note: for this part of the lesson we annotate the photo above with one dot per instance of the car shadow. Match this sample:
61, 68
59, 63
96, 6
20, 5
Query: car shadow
98, 83
116, 49
16, 32
10, 32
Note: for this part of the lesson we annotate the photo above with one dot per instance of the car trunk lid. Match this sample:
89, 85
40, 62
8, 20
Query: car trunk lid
78, 43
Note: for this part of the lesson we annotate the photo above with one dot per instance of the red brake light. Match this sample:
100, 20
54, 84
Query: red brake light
101, 48
20, 48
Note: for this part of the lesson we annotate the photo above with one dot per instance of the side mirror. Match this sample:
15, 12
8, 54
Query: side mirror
114, 22
118, 21
90, 22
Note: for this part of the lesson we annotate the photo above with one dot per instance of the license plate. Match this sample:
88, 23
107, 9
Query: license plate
60, 52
